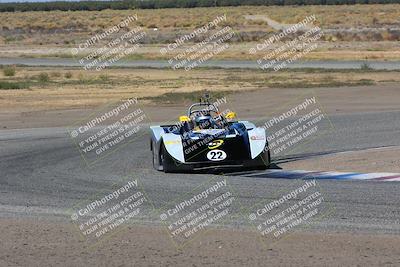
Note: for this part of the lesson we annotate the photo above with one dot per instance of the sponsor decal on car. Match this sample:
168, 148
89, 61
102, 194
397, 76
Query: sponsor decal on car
172, 142
215, 144
257, 137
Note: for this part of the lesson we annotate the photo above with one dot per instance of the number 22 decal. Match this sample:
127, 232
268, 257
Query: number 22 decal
216, 155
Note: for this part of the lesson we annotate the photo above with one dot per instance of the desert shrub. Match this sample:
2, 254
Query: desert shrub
9, 71
43, 77
13, 85
81, 77
152, 4
68, 75
104, 78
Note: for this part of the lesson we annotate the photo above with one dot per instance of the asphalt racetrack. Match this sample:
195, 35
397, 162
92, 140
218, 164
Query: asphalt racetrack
44, 176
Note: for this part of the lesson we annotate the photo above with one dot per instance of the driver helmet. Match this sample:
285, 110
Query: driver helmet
204, 121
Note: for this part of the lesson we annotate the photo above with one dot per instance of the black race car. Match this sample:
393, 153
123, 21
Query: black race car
207, 139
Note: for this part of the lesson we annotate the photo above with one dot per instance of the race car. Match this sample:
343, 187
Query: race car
208, 140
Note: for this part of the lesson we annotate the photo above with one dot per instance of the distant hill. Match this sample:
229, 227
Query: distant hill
45, 5
41, 1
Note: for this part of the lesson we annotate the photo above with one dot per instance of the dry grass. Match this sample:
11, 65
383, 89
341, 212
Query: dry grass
327, 16
43, 34
386, 51
88, 89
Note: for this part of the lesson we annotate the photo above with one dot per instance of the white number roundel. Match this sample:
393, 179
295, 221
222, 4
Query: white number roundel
216, 155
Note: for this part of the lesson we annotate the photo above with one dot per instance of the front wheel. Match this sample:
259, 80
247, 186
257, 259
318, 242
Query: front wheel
154, 160
168, 163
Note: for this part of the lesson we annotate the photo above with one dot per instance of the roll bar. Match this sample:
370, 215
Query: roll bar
210, 107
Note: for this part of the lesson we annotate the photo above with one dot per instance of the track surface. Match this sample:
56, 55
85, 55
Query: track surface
42, 174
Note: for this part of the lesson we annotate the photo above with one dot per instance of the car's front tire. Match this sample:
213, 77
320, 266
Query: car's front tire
168, 163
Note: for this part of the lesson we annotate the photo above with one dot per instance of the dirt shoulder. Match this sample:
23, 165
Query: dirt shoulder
46, 88
370, 160
32, 109
27, 242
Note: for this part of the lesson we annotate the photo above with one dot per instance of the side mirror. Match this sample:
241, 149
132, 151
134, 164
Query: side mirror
184, 119
230, 115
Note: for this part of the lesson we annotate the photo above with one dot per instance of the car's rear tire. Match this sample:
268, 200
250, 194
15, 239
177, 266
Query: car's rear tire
263, 161
267, 159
